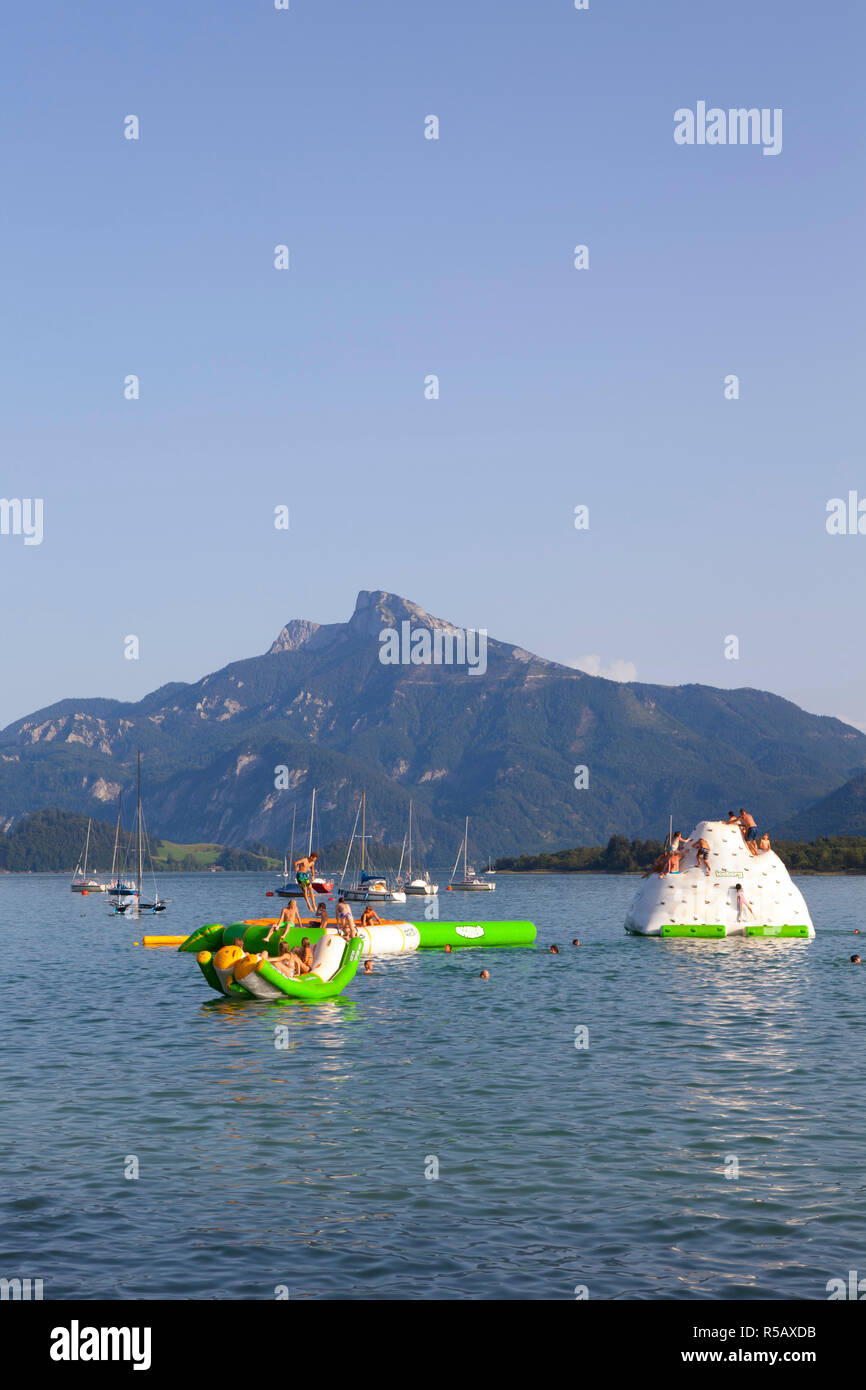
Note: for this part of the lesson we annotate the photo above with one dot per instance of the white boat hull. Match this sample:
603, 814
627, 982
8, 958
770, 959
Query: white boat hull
362, 895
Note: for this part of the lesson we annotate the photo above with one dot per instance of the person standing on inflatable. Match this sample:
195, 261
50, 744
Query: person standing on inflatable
304, 870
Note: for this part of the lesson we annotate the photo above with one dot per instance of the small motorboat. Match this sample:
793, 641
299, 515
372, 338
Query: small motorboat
294, 890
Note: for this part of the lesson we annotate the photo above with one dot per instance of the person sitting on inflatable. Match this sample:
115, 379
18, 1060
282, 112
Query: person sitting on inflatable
289, 917
322, 913
657, 866
369, 918
297, 960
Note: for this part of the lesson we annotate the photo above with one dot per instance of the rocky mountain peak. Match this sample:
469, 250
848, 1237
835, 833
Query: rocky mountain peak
295, 634
375, 609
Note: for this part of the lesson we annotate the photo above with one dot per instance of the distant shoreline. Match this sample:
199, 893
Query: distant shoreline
635, 873
828, 855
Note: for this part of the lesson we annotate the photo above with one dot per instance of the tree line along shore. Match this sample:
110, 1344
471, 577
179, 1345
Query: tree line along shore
837, 854
51, 841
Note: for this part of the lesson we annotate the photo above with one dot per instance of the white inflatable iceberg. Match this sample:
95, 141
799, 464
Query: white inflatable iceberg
694, 903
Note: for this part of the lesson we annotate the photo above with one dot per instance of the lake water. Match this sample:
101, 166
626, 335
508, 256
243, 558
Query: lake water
558, 1166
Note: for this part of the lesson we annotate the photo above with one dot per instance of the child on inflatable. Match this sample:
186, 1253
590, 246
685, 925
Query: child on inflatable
289, 917
296, 960
345, 920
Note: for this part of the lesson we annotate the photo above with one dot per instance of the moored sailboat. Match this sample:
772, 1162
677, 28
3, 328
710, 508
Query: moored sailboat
471, 882
159, 904
417, 884
80, 882
119, 888
370, 887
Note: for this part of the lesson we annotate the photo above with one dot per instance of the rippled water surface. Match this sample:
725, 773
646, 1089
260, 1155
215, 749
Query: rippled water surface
558, 1166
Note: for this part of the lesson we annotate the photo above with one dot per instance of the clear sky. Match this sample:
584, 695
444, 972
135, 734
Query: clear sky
408, 257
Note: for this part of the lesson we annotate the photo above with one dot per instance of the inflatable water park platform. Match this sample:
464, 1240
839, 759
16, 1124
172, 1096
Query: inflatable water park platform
238, 961
245, 974
692, 903
386, 938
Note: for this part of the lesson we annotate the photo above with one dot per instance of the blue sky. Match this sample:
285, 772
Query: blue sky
410, 257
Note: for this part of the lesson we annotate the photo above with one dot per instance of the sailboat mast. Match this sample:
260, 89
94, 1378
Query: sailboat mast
116, 835
86, 848
410, 841
312, 813
351, 843
138, 823
363, 831
465, 846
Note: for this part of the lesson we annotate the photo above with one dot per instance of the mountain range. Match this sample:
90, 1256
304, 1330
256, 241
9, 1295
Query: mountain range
227, 758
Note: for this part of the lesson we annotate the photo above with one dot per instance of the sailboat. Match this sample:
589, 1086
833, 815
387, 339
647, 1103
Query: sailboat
80, 882
159, 904
371, 887
119, 887
471, 882
319, 885
286, 860
417, 884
